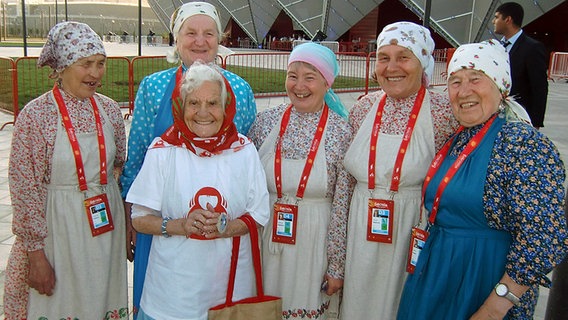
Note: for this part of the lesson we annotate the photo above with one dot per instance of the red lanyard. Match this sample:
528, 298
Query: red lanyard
311, 155
176, 92
439, 158
403, 145
75, 143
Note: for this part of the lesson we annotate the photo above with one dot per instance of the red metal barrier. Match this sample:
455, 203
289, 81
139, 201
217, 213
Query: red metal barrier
32, 81
141, 67
116, 81
558, 67
8, 88
264, 71
268, 70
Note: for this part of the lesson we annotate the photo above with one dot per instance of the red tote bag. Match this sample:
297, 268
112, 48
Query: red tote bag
261, 307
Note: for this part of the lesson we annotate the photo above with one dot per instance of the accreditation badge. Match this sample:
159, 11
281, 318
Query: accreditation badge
380, 220
417, 241
98, 214
284, 223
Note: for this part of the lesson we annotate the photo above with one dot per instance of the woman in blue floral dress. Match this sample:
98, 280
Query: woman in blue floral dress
495, 198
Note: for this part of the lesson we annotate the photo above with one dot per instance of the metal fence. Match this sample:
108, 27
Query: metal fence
21, 81
558, 67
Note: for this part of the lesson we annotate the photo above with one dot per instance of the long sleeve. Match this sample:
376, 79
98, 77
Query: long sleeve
29, 161
339, 137
525, 195
148, 98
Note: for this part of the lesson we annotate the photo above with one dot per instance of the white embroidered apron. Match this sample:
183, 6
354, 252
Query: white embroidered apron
90, 272
375, 272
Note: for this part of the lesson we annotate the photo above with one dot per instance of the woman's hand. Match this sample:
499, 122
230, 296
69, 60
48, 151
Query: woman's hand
42, 275
202, 222
130, 232
333, 285
494, 308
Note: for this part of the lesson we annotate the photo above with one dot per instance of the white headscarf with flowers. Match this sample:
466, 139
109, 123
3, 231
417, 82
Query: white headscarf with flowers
415, 38
68, 42
491, 58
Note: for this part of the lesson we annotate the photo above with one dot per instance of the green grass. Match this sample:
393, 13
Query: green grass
20, 44
32, 81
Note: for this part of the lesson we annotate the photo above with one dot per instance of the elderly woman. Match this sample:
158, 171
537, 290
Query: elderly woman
196, 180
308, 186
397, 132
495, 199
197, 29
68, 260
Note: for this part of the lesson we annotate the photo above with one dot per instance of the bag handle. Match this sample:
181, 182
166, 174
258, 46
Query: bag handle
253, 233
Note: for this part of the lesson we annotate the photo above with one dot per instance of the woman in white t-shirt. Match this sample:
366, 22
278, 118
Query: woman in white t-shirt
196, 180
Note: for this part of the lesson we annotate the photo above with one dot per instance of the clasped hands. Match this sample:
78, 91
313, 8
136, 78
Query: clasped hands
202, 223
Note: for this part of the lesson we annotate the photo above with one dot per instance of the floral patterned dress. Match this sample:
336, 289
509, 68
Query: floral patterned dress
295, 272
49, 214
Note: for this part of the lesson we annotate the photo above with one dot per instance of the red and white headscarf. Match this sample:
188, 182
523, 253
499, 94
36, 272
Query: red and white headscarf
226, 139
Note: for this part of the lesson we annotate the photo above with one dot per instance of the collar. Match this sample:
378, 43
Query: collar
513, 39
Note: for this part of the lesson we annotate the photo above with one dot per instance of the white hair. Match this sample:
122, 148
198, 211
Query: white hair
199, 73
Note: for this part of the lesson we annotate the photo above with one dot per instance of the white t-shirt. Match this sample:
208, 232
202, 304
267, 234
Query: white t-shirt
186, 277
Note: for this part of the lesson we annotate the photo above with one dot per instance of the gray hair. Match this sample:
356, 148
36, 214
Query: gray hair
199, 73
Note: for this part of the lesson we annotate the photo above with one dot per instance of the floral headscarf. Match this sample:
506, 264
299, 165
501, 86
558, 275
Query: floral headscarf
415, 38
68, 42
325, 61
491, 58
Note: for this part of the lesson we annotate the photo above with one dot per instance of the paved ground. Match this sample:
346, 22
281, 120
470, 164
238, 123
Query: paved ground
556, 128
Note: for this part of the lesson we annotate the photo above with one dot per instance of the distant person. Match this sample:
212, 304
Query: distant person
69, 259
150, 39
528, 62
196, 28
494, 197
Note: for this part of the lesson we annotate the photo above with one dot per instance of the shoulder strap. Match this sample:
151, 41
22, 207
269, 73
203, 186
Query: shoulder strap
253, 232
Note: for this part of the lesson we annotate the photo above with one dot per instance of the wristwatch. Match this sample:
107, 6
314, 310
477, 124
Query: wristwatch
164, 224
502, 291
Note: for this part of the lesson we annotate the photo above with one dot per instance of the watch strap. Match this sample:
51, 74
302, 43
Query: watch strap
516, 301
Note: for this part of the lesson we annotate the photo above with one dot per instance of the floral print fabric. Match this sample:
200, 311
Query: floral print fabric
68, 42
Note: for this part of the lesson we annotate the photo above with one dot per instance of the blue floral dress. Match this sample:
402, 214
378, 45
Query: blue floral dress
500, 213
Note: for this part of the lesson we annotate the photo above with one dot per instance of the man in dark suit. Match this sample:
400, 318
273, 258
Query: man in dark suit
528, 61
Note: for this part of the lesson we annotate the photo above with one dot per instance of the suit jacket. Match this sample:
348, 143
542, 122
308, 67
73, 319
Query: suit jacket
529, 76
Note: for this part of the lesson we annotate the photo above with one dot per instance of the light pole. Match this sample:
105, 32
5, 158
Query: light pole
24, 31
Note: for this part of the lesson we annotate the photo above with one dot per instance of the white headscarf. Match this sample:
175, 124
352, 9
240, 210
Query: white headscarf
191, 9
415, 38
491, 58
